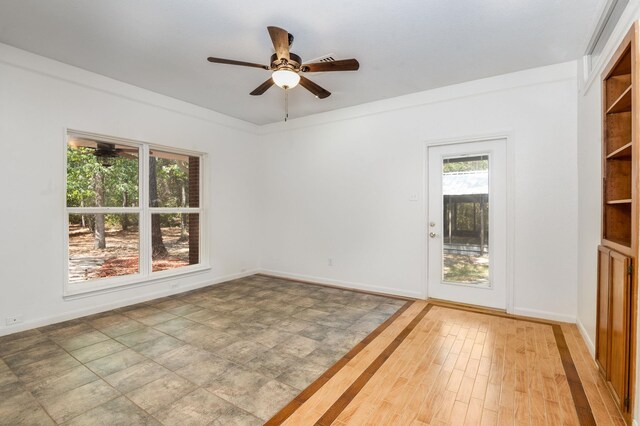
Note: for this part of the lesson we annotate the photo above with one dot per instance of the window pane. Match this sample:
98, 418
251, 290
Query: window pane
174, 180
101, 174
102, 246
175, 240
465, 189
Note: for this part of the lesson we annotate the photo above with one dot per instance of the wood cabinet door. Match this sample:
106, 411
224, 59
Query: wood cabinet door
602, 321
619, 298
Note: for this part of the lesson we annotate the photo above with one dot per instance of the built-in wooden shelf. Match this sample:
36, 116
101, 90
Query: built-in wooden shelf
622, 104
620, 244
622, 152
617, 296
625, 201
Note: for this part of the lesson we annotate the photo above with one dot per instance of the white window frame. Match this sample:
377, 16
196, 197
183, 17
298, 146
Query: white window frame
145, 273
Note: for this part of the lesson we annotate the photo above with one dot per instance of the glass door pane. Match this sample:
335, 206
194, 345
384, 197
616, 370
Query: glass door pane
465, 205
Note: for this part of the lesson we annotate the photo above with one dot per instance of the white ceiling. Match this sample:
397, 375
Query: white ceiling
403, 46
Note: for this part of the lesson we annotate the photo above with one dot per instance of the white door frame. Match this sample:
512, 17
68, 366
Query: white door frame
507, 136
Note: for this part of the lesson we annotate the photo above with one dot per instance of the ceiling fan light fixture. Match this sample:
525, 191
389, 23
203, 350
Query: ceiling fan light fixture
285, 79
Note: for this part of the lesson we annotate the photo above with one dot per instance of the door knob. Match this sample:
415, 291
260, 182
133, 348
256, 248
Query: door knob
433, 234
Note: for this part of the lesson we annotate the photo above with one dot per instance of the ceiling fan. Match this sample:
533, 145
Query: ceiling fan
105, 151
287, 67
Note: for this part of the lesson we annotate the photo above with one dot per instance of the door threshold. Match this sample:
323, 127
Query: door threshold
466, 306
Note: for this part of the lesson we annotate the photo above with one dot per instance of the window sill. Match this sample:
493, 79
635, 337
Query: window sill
109, 285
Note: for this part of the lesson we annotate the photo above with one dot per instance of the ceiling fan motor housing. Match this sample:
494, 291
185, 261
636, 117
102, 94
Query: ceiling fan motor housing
293, 63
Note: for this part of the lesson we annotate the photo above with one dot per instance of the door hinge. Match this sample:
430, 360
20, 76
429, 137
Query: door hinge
630, 269
626, 402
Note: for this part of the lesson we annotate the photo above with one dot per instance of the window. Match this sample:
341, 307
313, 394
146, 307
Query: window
133, 212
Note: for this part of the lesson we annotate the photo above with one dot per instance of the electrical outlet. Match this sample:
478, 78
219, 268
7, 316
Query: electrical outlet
330, 261
16, 319
175, 285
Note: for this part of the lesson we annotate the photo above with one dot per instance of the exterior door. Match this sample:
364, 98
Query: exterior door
467, 217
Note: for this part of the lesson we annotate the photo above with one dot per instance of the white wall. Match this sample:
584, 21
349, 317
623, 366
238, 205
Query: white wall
589, 225
286, 197
39, 98
337, 185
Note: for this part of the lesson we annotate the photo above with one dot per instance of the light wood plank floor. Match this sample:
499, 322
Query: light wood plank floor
455, 367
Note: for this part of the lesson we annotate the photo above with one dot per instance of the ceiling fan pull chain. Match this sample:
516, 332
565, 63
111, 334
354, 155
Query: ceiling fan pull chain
286, 104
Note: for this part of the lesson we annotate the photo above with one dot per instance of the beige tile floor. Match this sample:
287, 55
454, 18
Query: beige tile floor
231, 354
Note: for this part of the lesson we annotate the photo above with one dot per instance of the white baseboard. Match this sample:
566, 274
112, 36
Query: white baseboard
40, 322
393, 291
587, 339
553, 316
344, 284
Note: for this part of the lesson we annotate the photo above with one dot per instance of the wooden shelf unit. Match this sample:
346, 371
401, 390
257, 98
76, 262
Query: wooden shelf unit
617, 254
618, 148
623, 152
622, 104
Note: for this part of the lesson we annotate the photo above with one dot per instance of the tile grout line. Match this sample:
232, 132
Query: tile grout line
125, 395
24, 385
40, 404
99, 377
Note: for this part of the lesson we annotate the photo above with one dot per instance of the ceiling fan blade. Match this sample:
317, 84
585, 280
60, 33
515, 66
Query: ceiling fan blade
314, 88
342, 65
280, 39
262, 88
127, 155
232, 62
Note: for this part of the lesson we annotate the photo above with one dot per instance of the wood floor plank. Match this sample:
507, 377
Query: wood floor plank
465, 389
489, 418
458, 413
434, 398
479, 390
506, 415
537, 408
474, 412
521, 408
